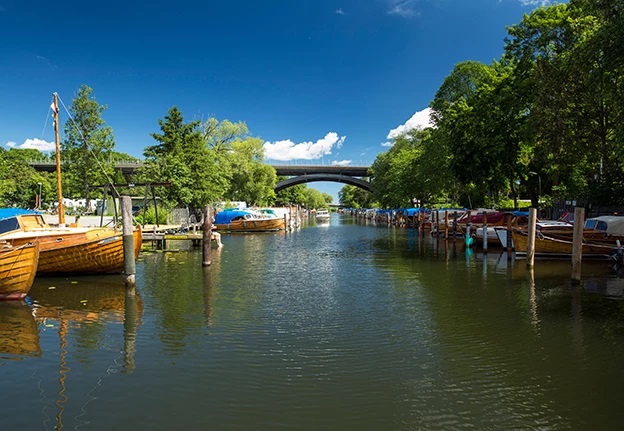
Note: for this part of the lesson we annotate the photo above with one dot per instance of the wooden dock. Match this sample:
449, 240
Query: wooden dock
159, 235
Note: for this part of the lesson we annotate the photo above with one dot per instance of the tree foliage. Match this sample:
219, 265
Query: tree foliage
414, 169
207, 162
355, 197
546, 119
19, 182
88, 145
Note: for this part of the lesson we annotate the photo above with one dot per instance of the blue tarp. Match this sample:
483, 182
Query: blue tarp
12, 212
410, 212
225, 217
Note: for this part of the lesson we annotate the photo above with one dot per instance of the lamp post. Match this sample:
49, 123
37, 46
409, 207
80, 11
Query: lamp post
39, 200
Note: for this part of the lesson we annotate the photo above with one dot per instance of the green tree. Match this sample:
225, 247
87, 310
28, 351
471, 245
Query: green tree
182, 159
355, 197
87, 146
19, 182
315, 199
251, 180
568, 57
416, 167
294, 195
458, 128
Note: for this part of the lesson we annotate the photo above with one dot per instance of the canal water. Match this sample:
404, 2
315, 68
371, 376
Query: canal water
341, 326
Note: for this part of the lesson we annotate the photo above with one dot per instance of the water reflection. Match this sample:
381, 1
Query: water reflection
18, 330
327, 327
81, 310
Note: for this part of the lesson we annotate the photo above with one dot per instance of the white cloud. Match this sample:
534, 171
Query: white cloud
37, 144
420, 120
536, 2
341, 162
339, 11
404, 8
288, 150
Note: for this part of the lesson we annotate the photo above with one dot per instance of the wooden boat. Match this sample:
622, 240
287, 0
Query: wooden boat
18, 265
602, 230
458, 220
67, 250
552, 228
548, 246
246, 221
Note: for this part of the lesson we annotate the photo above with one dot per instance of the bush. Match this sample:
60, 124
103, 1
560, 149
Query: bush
150, 216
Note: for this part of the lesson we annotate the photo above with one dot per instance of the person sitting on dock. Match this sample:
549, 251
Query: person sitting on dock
216, 236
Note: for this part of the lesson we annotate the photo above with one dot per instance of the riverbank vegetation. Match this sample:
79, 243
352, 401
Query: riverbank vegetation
545, 121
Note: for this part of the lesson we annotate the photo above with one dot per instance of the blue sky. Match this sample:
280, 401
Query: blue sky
320, 81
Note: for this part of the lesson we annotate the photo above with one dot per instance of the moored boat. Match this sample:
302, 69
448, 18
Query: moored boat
553, 228
235, 220
322, 215
547, 246
18, 266
67, 250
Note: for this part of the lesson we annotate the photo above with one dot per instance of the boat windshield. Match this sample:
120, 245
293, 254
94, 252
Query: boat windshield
9, 225
596, 225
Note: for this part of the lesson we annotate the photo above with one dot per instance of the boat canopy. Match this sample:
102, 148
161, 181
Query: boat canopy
12, 212
227, 216
410, 212
611, 224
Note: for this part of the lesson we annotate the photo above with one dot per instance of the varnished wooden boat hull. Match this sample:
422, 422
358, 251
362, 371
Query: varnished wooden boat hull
18, 266
96, 251
552, 246
263, 225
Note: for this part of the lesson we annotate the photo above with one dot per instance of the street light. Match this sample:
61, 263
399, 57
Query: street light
39, 202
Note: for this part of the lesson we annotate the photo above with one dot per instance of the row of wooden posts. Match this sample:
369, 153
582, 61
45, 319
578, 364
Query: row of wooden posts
128, 239
577, 241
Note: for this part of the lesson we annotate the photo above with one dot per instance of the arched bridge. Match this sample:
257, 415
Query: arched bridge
299, 173
308, 173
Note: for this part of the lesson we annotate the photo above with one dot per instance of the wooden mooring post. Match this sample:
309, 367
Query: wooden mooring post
454, 225
577, 244
509, 237
530, 254
485, 238
128, 240
207, 235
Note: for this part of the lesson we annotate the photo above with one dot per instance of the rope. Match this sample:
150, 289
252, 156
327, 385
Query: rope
87, 145
45, 125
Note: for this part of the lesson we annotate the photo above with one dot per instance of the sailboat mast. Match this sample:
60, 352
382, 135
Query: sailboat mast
61, 209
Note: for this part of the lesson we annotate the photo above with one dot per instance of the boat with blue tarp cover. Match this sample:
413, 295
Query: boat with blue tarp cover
246, 220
